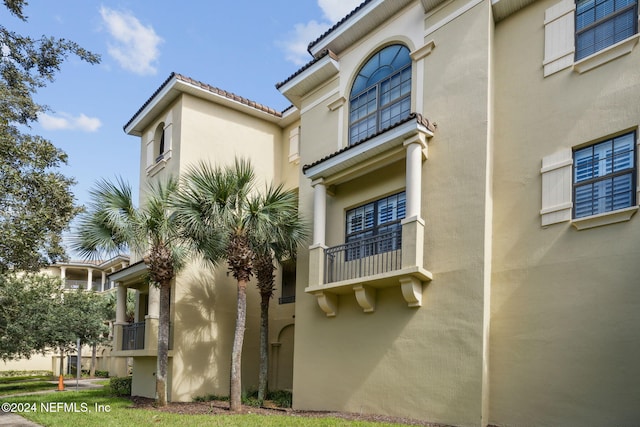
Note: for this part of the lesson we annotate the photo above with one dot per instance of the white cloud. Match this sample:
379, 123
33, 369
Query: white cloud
134, 45
335, 10
67, 121
296, 46
298, 40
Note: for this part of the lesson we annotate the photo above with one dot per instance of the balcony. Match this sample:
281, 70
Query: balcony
133, 336
138, 339
96, 285
392, 259
365, 257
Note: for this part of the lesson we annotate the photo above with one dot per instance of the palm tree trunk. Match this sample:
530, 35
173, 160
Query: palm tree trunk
264, 345
163, 342
94, 355
235, 394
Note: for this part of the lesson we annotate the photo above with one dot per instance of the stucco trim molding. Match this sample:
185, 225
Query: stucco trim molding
604, 218
410, 280
366, 297
160, 164
328, 302
609, 54
411, 291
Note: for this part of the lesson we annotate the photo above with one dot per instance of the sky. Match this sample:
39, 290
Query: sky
241, 46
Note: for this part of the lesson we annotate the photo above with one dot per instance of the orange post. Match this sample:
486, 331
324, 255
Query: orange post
61, 383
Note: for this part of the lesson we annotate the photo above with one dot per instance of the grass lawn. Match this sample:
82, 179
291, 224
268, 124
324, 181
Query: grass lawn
15, 385
81, 409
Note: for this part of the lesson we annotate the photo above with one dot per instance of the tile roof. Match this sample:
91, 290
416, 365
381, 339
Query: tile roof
322, 54
337, 24
209, 88
418, 118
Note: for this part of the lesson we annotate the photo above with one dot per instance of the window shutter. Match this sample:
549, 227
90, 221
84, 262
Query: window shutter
149, 150
556, 187
559, 34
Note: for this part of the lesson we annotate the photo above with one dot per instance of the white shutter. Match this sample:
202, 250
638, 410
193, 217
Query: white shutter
559, 34
168, 138
149, 150
556, 187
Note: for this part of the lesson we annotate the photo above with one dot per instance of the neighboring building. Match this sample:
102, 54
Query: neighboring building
470, 169
86, 275
184, 122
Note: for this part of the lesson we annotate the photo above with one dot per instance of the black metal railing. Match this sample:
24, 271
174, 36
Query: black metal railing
133, 336
287, 299
365, 257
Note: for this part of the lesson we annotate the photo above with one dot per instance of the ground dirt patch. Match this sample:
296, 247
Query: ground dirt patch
220, 407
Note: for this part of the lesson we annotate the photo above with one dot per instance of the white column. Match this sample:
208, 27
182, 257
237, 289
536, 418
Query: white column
89, 278
414, 179
319, 212
63, 276
121, 304
103, 281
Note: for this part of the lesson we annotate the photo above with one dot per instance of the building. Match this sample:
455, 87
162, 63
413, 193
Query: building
470, 169
183, 122
75, 274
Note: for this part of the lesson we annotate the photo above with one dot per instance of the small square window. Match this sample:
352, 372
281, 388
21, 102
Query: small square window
602, 23
604, 176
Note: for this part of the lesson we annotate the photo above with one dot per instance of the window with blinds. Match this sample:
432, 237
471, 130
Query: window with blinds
376, 219
602, 23
604, 176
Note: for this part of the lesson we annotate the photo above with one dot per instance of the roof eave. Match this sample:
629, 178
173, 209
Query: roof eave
159, 101
504, 8
360, 152
363, 20
177, 85
310, 78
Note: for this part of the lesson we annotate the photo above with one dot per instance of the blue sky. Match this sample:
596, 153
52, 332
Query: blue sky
245, 47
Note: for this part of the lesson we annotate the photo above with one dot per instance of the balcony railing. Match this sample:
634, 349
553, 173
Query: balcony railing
373, 255
82, 284
133, 336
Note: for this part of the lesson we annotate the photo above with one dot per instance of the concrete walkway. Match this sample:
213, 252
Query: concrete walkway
15, 420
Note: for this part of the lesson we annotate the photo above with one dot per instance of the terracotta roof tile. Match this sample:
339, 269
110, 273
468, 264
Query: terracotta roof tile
209, 88
418, 118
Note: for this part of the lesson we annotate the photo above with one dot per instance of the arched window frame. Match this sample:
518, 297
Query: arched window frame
159, 147
381, 93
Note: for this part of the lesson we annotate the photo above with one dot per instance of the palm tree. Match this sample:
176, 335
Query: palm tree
113, 224
222, 214
278, 242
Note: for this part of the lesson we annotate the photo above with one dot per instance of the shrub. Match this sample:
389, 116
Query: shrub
102, 374
251, 399
25, 373
282, 398
120, 386
210, 397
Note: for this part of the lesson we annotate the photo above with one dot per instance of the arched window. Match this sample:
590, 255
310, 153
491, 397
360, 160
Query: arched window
159, 142
381, 93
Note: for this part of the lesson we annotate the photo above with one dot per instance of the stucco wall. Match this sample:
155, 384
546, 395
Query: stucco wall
204, 299
425, 362
564, 302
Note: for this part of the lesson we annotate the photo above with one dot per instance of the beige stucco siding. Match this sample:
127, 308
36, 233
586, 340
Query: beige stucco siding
565, 302
203, 299
423, 362
211, 132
